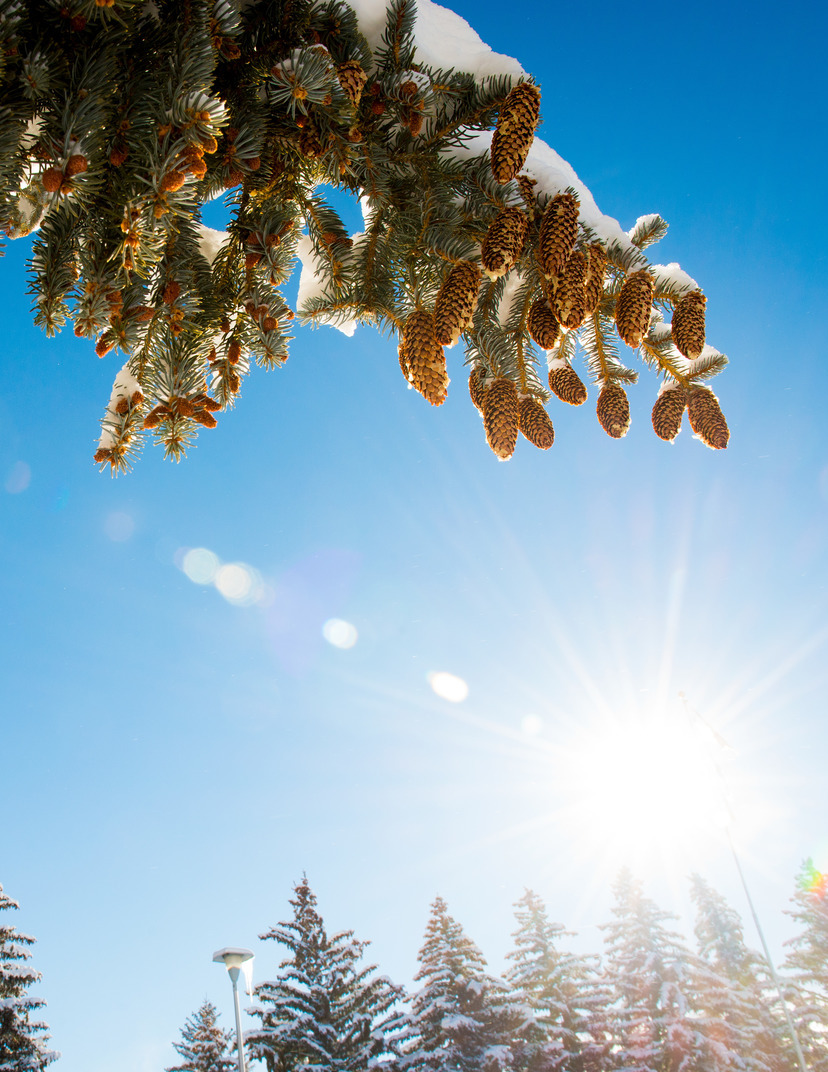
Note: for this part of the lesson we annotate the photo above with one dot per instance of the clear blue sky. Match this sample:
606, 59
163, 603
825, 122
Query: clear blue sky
172, 763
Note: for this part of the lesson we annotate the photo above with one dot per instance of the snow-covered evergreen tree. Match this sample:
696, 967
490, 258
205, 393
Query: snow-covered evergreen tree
120, 119
734, 989
325, 1012
22, 1039
807, 965
462, 1019
650, 1018
204, 1045
561, 991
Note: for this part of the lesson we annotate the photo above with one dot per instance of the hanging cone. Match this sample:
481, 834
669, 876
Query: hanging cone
596, 269
570, 297
352, 78
515, 131
504, 242
668, 411
613, 410
477, 386
707, 419
633, 307
456, 302
565, 382
535, 424
426, 360
558, 231
501, 416
542, 325
688, 324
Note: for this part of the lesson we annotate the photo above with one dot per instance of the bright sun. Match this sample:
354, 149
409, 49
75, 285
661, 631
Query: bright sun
645, 788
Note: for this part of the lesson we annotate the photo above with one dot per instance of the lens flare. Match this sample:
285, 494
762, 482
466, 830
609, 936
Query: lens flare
200, 565
339, 633
448, 686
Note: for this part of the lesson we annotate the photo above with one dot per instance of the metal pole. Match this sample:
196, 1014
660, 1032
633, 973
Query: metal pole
800, 1057
234, 978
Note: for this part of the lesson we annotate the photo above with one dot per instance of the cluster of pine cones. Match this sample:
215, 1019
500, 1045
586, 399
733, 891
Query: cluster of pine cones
572, 280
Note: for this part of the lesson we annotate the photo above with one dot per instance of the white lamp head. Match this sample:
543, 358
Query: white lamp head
232, 956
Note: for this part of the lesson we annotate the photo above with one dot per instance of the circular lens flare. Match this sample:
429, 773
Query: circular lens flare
448, 686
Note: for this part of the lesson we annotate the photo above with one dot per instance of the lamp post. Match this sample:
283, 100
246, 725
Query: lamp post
233, 958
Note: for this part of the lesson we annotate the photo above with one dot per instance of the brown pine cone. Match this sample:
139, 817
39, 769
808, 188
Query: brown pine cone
477, 386
668, 411
534, 422
352, 78
52, 180
501, 416
596, 268
558, 232
707, 419
565, 382
633, 307
613, 410
426, 360
570, 296
76, 164
688, 324
515, 131
504, 242
456, 302
542, 325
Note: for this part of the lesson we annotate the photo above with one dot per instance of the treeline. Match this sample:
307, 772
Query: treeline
649, 1003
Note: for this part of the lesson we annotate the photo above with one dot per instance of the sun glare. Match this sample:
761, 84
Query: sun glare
645, 788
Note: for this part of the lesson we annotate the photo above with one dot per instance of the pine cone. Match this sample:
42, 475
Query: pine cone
596, 268
52, 180
501, 416
558, 231
515, 131
542, 325
456, 302
504, 242
352, 78
535, 423
613, 410
707, 419
570, 296
668, 411
633, 307
477, 386
426, 360
688, 324
76, 164
565, 382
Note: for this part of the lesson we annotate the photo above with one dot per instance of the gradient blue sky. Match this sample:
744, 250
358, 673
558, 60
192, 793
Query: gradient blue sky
172, 763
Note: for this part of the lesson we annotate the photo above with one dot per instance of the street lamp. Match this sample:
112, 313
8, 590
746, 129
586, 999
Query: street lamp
233, 958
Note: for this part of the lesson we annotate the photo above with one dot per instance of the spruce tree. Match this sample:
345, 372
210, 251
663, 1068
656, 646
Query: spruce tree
462, 1019
325, 1012
119, 119
807, 964
204, 1046
733, 989
22, 1039
651, 1019
560, 990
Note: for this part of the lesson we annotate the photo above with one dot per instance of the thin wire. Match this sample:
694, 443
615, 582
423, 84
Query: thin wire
777, 985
